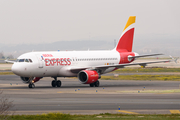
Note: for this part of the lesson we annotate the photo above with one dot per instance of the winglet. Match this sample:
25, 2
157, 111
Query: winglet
174, 59
126, 40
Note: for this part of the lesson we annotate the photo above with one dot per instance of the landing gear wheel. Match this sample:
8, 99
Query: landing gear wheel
91, 85
58, 83
53, 83
96, 84
31, 85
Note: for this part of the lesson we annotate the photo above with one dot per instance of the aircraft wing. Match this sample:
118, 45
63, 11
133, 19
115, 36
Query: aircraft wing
7, 61
129, 64
78, 69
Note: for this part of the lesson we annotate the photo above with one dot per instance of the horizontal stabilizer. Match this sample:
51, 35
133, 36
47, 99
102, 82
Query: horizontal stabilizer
144, 55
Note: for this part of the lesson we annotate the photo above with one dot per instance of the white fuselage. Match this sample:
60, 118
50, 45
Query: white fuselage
59, 63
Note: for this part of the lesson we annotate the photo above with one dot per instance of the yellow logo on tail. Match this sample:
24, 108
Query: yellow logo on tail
131, 20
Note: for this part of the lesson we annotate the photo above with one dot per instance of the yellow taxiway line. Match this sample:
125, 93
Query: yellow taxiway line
123, 111
174, 111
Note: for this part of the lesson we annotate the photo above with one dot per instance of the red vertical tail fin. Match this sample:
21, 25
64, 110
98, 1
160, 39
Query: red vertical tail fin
126, 40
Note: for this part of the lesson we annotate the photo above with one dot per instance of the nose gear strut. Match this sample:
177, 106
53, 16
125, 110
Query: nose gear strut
31, 84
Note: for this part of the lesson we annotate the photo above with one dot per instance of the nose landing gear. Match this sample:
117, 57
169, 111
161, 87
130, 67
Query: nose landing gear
31, 85
56, 83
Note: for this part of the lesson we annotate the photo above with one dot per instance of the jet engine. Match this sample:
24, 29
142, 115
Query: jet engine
26, 79
88, 76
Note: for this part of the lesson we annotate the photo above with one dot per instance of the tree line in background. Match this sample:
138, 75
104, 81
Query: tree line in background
2, 56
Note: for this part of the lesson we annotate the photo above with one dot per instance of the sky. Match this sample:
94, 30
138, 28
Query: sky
47, 21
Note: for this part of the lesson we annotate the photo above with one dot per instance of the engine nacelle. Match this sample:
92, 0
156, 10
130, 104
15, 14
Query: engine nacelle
26, 79
88, 76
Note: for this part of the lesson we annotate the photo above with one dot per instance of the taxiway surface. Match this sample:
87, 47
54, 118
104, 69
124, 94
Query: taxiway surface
134, 97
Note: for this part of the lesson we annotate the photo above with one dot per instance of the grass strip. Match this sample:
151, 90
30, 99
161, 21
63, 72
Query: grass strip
143, 77
150, 69
6, 73
6, 62
106, 116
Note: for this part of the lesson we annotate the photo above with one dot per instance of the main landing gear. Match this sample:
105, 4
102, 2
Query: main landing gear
96, 84
56, 83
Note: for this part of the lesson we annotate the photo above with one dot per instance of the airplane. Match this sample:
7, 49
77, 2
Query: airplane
88, 66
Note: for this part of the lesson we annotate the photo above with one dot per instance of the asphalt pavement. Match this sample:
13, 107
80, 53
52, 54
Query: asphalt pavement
131, 97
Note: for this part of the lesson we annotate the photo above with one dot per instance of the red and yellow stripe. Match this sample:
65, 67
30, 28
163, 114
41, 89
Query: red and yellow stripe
131, 20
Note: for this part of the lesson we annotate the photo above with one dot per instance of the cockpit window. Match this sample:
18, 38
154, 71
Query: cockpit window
21, 60
24, 60
30, 60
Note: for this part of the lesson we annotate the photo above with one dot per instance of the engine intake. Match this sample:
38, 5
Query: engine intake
26, 79
88, 76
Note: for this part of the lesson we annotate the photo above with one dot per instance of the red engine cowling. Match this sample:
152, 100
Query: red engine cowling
88, 76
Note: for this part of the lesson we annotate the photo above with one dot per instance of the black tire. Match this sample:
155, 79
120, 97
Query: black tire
96, 84
31, 85
58, 83
91, 85
53, 83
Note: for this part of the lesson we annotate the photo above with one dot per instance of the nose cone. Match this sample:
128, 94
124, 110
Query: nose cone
16, 69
